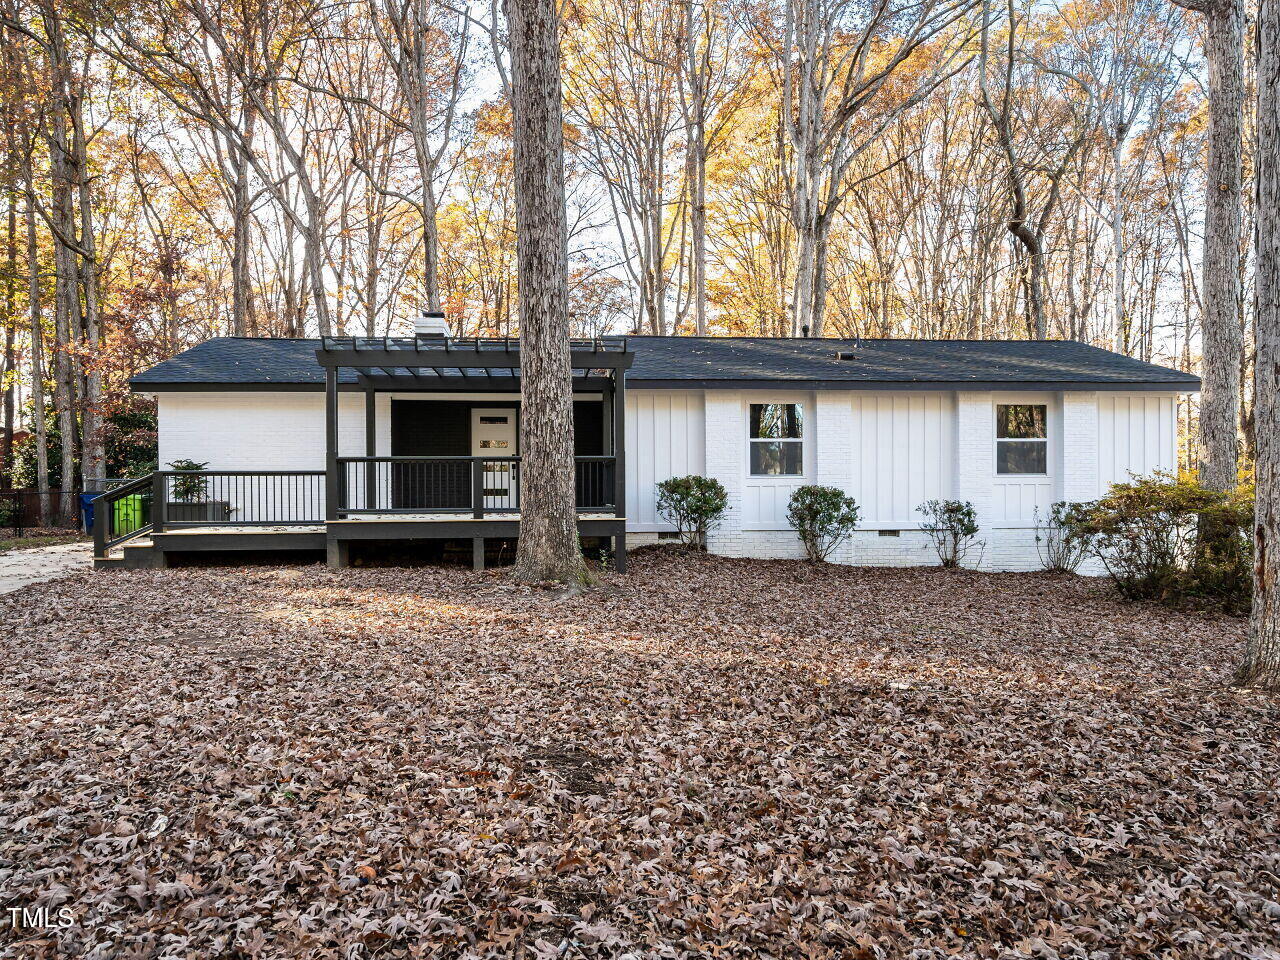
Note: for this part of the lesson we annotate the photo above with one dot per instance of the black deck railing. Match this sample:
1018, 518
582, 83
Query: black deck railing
475, 485
122, 513
172, 499
244, 498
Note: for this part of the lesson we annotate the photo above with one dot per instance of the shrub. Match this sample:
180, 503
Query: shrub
952, 525
188, 489
1061, 540
1149, 534
694, 504
9, 512
823, 517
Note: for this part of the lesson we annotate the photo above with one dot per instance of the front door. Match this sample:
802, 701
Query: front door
493, 435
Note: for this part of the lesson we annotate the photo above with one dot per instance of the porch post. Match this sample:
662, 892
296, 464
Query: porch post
159, 496
620, 444
370, 449
606, 421
331, 443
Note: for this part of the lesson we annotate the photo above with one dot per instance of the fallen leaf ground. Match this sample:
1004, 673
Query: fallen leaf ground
709, 757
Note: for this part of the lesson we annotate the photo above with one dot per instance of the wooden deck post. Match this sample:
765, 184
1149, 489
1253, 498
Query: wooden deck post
337, 553
477, 488
370, 449
159, 496
620, 469
619, 447
331, 443
477, 553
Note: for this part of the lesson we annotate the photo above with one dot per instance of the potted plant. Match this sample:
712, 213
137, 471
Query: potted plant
189, 496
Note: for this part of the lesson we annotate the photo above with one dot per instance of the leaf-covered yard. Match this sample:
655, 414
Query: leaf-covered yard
709, 757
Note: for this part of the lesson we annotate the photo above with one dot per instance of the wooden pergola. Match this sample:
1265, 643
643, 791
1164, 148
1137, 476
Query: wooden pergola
444, 364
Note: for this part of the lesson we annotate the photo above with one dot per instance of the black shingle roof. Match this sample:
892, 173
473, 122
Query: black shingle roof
734, 361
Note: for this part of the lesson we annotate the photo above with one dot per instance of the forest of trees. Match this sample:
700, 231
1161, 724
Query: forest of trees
174, 170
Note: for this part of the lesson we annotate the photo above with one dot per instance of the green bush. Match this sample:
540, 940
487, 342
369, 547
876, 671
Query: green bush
1172, 540
952, 525
1060, 538
694, 504
823, 517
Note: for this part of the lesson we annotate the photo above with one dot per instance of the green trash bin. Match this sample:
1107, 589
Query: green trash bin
129, 515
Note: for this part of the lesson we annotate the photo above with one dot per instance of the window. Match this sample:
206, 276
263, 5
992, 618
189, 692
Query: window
493, 444
493, 419
776, 446
1022, 438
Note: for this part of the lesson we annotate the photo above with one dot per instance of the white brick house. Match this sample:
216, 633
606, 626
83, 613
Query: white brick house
1010, 426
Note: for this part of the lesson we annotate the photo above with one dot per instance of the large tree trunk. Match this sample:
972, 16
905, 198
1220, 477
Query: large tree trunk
1220, 326
548, 548
1261, 665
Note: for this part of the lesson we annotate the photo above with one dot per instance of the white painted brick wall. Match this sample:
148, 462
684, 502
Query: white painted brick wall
1079, 446
258, 431
975, 451
833, 464
725, 461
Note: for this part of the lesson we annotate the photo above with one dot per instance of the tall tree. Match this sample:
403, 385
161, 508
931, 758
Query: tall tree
1261, 665
548, 548
838, 60
1220, 327
1039, 130
425, 43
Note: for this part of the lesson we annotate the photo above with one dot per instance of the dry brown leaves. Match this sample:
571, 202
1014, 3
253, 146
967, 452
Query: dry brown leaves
708, 757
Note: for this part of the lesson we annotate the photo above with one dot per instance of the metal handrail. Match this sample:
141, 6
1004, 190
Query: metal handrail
102, 515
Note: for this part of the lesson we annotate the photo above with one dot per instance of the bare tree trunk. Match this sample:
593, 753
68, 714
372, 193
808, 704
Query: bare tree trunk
1220, 325
242, 318
39, 425
1261, 665
93, 455
695, 120
66, 301
7, 372
548, 548
1118, 241
430, 245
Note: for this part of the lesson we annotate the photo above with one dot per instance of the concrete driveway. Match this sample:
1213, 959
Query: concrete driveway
21, 568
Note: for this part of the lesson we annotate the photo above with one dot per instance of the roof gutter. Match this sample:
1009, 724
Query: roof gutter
1008, 386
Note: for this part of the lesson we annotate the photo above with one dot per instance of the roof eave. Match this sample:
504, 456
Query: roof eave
1191, 385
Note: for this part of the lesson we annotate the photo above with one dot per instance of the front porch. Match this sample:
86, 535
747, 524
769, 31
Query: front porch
450, 412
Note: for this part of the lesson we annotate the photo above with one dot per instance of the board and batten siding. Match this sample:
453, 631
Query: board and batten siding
903, 453
1137, 434
666, 438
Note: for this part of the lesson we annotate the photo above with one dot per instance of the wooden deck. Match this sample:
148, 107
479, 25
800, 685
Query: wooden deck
336, 536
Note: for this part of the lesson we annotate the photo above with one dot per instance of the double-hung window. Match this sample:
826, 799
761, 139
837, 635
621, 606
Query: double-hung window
1022, 438
777, 440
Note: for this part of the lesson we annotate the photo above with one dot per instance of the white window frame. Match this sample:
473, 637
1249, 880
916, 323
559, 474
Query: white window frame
804, 436
995, 434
